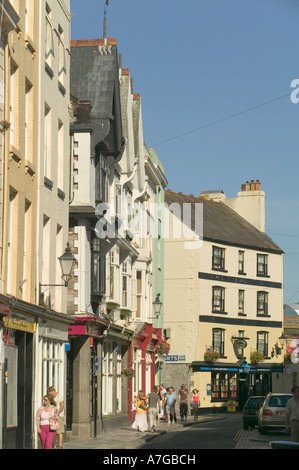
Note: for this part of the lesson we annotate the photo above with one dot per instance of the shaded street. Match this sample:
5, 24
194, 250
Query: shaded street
215, 434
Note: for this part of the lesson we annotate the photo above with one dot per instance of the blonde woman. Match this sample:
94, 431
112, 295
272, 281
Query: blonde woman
44, 413
140, 402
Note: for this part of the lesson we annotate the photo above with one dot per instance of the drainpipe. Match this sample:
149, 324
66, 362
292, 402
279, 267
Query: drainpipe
130, 386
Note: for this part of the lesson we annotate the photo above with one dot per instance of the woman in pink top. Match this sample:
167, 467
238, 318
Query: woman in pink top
44, 413
195, 403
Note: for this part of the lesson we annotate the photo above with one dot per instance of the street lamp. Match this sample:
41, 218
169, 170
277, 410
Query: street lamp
67, 262
281, 340
157, 304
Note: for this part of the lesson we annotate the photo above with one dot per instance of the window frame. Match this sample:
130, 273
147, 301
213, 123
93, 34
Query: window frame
221, 348
220, 299
98, 283
241, 262
262, 266
264, 343
218, 260
241, 302
265, 303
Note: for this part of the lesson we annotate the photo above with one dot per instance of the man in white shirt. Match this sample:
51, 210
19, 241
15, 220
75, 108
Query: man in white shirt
60, 408
292, 414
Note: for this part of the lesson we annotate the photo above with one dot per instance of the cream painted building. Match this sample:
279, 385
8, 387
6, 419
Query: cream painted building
54, 147
35, 211
223, 293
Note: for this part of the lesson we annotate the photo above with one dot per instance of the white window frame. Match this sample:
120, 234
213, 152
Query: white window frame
107, 378
118, 380
52, 354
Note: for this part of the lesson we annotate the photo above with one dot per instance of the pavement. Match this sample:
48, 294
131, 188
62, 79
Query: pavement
127, 438
252, 439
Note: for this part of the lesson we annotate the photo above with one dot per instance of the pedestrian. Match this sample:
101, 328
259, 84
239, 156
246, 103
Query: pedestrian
60, 410
45, 412
153, 408
163, 393
140, 422
170, 405
195, 403
159, 405
292, 414
183, 401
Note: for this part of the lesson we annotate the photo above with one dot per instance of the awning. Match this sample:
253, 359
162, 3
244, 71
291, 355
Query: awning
205, 366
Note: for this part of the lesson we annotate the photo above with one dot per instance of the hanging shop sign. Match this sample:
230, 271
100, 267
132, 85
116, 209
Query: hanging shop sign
176, 358
240, 343
19, 321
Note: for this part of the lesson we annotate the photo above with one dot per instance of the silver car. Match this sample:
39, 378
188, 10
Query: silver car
272, 414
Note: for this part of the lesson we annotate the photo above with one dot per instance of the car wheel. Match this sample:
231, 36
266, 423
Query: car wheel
245, 426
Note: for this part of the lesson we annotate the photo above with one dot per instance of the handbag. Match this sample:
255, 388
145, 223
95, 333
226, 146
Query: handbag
54, 424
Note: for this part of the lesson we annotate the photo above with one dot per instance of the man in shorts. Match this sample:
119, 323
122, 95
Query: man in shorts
170, 405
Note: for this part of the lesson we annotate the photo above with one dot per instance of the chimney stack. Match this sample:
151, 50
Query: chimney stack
253, 185
250, 204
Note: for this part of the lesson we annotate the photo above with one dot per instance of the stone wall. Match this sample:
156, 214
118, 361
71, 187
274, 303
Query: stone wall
174, 375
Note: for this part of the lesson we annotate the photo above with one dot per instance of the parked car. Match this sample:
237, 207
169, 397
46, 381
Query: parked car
250, 411
272, 414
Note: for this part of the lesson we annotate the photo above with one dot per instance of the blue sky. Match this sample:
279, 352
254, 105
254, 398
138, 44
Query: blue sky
215, 83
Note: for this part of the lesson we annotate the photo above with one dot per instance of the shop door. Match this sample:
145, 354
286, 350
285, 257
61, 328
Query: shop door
24, 342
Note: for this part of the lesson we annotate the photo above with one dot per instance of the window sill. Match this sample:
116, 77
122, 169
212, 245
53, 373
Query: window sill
263, 275
61, 88
241, 273
220, 312
48, 183
61, 194
49, 70
242, 314
263, 315
220, 270
15, 155
30, 45
223, 400
31, 170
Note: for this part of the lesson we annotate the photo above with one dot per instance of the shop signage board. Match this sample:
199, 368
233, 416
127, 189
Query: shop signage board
18, 321
231, 406
176, 358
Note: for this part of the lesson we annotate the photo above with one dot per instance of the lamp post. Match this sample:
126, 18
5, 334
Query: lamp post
281, 340
157, 304
67, 262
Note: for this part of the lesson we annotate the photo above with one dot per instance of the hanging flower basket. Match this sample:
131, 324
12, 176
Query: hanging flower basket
256, 357
129, 372
211, 355
163, 348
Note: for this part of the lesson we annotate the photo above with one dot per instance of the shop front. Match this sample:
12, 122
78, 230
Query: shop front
17, 365
96, 388
143, 361
220, 383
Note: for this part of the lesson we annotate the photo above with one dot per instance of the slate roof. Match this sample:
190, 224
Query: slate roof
94, 79
223, 225
94, 71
